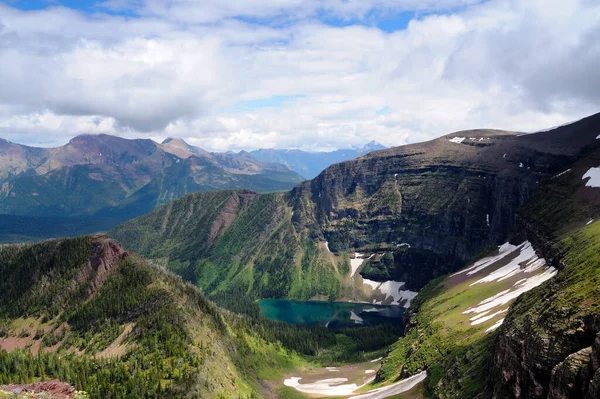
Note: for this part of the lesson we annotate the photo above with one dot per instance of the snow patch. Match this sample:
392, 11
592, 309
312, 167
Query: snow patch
526, 254
520, 164
326, 245
392, 289
393, 389
487, 219
590, 222
488, 317
479, 315
503, 250
355, 263
526, 261
327, 387
594, 175
369, 371
561, 173
373, 284
517, 289
496, 325
457, 140
376, 360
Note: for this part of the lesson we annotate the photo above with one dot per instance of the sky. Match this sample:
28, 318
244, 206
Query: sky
309, 74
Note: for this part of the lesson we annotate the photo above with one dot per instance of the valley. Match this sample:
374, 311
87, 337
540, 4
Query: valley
396, 275
284, 199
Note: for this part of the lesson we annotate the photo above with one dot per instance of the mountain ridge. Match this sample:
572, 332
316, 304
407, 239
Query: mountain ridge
310, 164
112, 178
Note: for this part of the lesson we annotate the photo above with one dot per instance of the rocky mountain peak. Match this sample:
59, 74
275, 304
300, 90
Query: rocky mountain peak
179, 147
372, 146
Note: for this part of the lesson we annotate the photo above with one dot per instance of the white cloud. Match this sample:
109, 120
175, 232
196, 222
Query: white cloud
180, 69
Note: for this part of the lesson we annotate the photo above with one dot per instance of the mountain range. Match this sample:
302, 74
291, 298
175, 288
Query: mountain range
96, 181
496, 230
310, 164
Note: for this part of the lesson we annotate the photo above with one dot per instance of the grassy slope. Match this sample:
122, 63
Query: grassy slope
439, 332
574, 293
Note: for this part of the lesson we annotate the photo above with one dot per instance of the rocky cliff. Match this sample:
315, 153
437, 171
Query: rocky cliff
447, 199
547, 347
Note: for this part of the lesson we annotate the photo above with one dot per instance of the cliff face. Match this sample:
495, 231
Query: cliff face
448, 198
554, 364
548, 346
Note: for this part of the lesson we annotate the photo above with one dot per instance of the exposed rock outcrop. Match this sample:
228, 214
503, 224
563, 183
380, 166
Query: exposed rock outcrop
49, 389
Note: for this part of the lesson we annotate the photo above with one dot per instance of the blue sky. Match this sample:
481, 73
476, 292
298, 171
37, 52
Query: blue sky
310, 74
386, 21
83, 5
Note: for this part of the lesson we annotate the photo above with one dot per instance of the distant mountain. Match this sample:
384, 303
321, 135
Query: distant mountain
310, 164
102, 176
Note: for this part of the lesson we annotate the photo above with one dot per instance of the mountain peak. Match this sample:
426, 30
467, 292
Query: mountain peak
176, 141
179, 147
373, 146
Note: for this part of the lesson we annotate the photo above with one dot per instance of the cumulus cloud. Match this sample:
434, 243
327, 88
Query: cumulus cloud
182, 68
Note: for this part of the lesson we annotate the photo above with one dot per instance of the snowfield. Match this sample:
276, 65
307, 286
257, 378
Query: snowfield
339, 386
520, 260
594, 175
496, 325
503, 250
457, 140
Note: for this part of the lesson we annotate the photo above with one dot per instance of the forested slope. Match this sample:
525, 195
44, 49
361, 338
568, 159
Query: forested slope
85, 311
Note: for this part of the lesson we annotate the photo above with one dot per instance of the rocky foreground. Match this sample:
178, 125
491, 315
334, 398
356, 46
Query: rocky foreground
48, 390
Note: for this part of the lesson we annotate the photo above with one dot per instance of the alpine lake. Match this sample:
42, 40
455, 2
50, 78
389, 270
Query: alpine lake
330, 314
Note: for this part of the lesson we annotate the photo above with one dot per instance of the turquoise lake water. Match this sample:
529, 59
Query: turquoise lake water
330, 314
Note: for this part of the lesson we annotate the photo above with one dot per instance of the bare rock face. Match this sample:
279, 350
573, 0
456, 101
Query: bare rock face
49, 389
571, 377
107, 254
